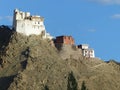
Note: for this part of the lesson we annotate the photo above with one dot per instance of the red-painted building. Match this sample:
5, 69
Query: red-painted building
64, 40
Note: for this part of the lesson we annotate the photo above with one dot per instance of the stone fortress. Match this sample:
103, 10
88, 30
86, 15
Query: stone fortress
28, 24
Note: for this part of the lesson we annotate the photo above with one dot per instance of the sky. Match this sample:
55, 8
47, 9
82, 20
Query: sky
93, 22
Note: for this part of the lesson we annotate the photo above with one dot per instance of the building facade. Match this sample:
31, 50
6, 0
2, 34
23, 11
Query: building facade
83, 46
68, 40
86, 51
26, 24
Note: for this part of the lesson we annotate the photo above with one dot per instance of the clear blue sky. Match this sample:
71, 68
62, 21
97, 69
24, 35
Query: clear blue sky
93, 22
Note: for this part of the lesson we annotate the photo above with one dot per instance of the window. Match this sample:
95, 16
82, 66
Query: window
85, 51
69, 38
91, 51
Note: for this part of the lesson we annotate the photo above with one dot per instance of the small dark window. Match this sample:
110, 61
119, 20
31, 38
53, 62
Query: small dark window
69, 37
85, 51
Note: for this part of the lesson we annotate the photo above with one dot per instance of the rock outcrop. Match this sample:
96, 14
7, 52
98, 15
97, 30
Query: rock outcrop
31, 63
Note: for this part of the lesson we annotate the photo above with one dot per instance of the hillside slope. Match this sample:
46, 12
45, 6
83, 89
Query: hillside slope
30, 63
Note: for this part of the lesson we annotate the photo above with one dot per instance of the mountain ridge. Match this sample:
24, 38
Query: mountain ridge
31, 63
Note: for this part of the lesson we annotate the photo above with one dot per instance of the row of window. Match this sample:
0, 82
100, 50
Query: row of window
89, 55
37, 22
40, 26
88, 51
37, 27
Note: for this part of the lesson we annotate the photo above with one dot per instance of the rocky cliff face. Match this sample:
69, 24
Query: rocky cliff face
30, 63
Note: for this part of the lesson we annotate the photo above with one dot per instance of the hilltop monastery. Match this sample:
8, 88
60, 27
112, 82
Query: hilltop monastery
28, 24
69, 41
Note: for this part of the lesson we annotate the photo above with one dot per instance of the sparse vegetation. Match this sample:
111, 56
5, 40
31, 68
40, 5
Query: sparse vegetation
83, 86
46, 87
29, 63
72, 83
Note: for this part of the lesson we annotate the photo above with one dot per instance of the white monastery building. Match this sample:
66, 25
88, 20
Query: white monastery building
86, 51
28, 24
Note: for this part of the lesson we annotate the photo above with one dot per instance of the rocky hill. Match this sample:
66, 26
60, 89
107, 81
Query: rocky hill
30, 63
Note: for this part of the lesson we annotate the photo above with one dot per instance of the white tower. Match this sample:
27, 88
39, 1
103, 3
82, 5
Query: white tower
26, 24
